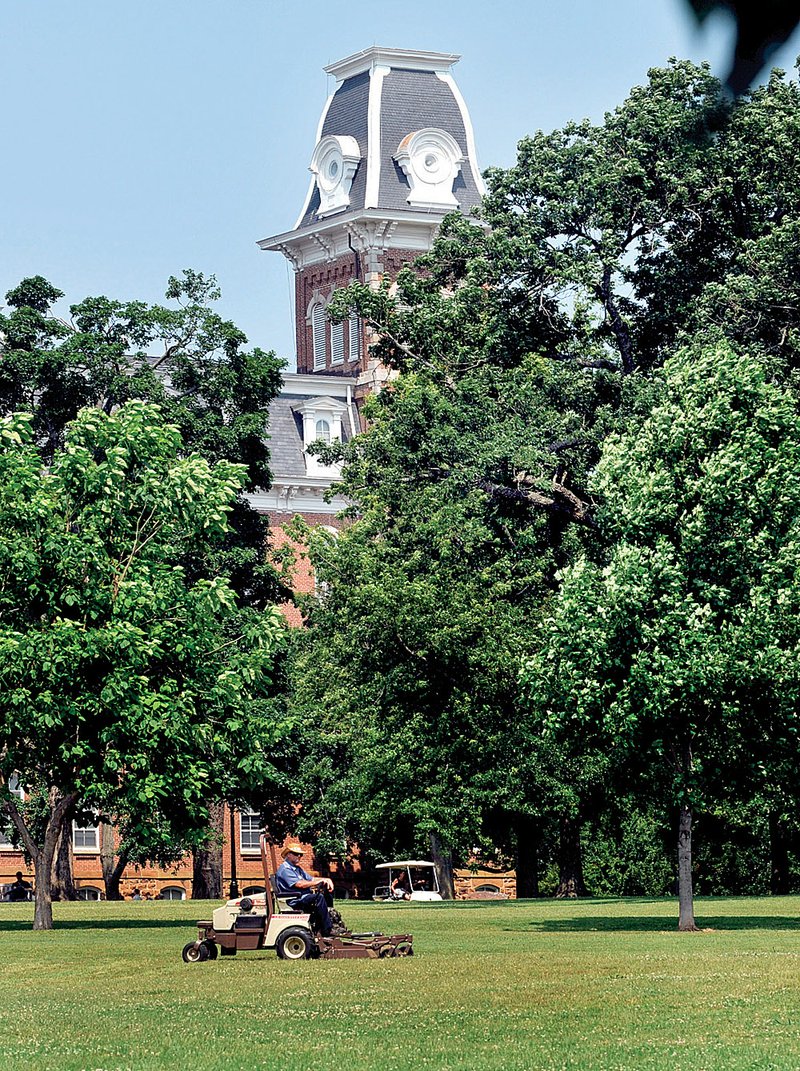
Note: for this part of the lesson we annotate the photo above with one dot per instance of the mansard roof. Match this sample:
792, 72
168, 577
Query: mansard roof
382, 97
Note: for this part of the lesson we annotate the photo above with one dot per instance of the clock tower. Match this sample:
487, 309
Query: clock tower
394, 154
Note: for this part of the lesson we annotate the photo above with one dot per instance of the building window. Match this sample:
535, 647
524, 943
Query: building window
14, 789
323, 430
85, 839
318, 321
173, 892
249, 831
337, 343
89, 892
488, 888
354, 339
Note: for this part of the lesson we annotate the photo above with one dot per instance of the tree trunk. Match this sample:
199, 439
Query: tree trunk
113, 865
62, 884
570, 860
44, 856
527, 831
443, 862
207, 868
686, 923
779, 857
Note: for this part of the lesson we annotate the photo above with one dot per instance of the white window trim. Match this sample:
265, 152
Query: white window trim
319, 332
354, 338
249, 849
15, 790
83, 849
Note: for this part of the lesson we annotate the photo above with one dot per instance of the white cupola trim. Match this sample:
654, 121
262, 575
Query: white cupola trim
334, 163
431, 160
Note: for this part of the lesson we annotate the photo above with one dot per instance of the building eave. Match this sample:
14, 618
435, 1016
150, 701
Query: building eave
377, 56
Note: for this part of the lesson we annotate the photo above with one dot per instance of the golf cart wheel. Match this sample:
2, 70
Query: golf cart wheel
195, 953
404, 949
211, 948
294, 943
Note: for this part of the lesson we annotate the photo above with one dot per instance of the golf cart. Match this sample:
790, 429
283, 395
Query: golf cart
265, 920
415, 879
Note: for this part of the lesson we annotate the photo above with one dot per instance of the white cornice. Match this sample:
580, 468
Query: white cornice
293, 494
368, 228
317, 386
409, 59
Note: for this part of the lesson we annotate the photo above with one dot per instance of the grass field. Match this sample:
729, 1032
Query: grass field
517, 986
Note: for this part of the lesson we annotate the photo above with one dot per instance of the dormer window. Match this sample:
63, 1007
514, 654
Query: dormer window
334, 163
431, 160
322, 421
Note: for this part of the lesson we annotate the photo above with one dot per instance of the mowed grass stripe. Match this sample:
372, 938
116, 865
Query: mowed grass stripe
522, 985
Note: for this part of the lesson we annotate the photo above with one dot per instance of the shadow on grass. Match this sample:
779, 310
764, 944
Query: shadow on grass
102, 924
658, 923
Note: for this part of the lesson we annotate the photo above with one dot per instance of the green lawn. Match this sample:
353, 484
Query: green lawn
518, 986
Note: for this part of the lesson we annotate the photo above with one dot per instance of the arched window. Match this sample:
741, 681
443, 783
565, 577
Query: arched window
173, 892
88, 892
323, 430
488, 888
318, 319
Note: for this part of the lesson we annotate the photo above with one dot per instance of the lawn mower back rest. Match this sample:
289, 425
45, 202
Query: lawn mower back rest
281, 902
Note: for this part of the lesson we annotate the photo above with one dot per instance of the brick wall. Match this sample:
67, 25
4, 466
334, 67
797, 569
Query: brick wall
324, 279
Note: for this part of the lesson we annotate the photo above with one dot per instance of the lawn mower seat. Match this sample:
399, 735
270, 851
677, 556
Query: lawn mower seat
281, 902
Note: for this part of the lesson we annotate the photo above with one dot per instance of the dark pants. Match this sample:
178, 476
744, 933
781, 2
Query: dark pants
316, 903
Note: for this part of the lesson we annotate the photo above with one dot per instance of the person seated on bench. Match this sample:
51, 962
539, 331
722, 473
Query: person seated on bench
19, 890
314, 895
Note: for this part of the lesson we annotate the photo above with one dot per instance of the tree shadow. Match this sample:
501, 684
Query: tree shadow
101, 924
658, 923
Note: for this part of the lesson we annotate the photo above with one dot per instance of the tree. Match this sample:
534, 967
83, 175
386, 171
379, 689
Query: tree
124, 681
186, 359
679, 642
516, 348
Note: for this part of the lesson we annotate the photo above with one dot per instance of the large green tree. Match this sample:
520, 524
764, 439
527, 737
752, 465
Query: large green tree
128, 686
680, 641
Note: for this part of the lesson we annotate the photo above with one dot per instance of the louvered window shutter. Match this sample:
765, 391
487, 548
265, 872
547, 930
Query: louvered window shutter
354, 326
337, 343
318, 329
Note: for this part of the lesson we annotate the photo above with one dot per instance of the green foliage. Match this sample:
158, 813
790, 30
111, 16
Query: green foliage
186, 359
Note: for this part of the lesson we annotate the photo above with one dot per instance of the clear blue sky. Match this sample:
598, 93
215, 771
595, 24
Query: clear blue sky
139, 138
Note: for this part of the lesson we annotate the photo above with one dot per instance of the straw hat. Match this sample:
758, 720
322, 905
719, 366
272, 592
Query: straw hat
293, 847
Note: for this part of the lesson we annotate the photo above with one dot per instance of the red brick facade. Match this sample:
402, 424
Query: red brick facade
320, 281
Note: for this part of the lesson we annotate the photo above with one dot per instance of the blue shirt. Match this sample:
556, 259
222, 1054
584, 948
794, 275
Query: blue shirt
287, 876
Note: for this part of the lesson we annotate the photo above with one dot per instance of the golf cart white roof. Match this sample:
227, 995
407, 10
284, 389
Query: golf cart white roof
404, 862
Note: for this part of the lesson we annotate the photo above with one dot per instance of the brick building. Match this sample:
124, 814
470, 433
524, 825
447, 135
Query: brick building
394, 153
